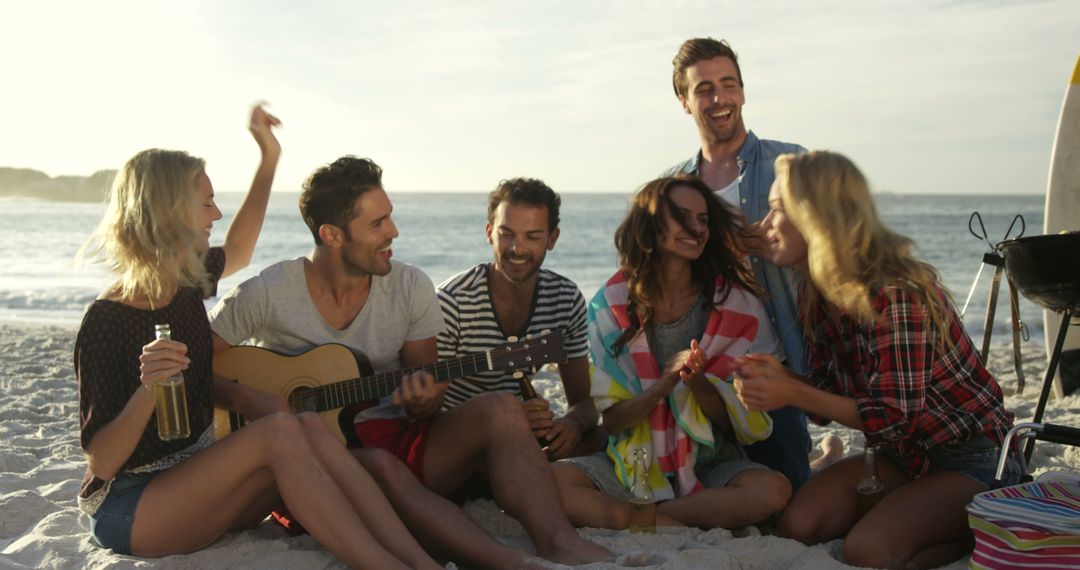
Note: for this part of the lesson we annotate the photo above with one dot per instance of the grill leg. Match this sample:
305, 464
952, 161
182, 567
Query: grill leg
1048, 380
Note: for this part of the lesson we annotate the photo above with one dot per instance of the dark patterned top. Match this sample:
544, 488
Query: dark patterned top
910, 394
107, 351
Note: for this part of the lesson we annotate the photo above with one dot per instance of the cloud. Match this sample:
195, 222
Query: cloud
925, 95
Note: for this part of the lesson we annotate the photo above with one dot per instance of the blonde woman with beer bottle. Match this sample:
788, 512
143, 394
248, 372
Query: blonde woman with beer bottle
152, 496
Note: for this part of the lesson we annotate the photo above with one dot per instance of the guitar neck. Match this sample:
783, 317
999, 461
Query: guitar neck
340, 394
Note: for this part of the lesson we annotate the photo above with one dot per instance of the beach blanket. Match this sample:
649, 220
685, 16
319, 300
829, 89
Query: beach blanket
677, 433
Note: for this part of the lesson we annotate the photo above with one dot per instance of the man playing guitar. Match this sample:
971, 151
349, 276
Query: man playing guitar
348, 291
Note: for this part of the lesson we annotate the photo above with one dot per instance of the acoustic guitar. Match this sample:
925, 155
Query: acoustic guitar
331, 378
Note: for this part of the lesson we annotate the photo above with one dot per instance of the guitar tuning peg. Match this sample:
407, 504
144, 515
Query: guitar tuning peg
517, 375
511, 339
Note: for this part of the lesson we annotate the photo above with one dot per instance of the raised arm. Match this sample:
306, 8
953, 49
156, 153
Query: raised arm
247, 223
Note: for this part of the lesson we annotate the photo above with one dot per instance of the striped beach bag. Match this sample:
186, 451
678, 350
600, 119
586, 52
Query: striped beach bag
1034, 525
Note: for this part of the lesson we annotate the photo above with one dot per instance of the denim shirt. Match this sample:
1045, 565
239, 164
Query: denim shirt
756, 175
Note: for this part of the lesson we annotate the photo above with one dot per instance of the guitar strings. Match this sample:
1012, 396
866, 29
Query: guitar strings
369, 387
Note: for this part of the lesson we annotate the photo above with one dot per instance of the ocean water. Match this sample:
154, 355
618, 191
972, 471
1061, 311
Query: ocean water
443, 233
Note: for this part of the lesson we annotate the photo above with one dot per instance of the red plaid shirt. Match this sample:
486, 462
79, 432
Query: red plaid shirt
911, 396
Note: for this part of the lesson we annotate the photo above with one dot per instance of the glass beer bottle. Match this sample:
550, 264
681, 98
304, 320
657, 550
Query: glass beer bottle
528, 393
642, 502
170, 400
869, 489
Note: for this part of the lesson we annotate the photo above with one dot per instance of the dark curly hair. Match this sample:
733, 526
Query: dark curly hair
525, 191
638, 237
331, 191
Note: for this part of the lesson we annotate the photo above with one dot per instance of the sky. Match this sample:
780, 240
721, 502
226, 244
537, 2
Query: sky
927, 96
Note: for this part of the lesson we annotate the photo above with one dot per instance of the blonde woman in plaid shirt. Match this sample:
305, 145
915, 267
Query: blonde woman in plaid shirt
889, 357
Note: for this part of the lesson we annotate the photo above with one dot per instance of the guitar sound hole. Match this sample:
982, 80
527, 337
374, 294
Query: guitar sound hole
301, 401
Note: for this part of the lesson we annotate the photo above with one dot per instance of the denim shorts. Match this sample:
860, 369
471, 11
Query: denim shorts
977, 458
110, 526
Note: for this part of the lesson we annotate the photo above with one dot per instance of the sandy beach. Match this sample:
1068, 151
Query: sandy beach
41, 466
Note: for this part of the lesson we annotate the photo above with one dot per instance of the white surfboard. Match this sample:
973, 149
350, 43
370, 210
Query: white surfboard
1063, 203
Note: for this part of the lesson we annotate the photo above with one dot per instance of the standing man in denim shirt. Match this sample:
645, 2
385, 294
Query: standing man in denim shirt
738, 166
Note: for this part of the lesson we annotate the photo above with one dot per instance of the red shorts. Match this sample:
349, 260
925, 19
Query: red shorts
404, 438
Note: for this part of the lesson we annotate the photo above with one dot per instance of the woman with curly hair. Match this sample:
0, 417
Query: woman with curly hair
664, 333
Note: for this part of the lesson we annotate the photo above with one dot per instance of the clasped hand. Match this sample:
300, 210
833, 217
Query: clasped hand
688, 367
763, 383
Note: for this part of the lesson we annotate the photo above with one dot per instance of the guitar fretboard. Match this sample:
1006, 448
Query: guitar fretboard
375, 386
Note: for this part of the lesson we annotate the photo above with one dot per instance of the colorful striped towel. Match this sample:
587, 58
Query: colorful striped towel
1034, 525
677, 432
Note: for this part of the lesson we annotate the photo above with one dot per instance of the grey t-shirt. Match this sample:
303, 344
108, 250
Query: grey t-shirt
274, 310
665, 341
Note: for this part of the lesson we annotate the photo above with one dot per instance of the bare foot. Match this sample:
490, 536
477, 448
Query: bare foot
571, 549
528, 562
832, 450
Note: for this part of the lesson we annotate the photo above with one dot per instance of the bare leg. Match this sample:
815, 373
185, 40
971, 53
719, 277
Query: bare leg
244, 469
586, 505
824, 507
490, 432
922, 524
366, 497
256, 512
751, 496
437, 523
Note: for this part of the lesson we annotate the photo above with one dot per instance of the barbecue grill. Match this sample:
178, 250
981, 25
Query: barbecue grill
1046, 270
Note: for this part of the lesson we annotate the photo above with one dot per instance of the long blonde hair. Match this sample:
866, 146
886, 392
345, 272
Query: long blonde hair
148, 234
850, 251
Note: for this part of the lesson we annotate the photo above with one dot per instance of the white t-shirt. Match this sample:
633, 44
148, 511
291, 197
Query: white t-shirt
274, 310
730, 194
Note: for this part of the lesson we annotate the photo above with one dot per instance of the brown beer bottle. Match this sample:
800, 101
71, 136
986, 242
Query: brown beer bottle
170, 399
528, 393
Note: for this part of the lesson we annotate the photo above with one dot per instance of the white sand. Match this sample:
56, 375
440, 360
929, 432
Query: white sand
41, 466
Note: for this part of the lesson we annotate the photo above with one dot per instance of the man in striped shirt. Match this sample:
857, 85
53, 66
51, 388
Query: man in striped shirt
513, 296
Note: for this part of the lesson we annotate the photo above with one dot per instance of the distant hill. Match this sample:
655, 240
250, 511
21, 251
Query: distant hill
30, 183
